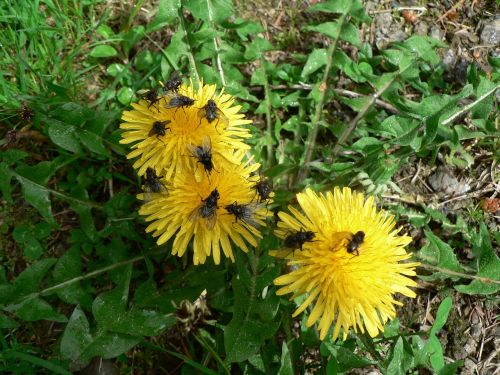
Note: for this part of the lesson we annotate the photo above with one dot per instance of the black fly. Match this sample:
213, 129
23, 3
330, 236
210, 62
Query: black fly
173, 83
203, 153
211, 112
151, 96
298, 239
153, 184
207, 209
244, 212
159, 128
175, 100
355, 242
264, 189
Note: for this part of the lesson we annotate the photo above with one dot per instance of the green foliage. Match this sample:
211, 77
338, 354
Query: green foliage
73, 251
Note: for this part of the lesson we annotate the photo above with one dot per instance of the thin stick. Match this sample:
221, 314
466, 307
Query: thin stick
350, 94
352, 125
311, 142
216, 44
192, 61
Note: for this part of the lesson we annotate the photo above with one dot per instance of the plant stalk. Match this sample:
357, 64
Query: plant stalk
311, 141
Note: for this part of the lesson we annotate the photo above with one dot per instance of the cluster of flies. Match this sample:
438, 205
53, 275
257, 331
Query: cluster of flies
203, 153
297, 240
210, 111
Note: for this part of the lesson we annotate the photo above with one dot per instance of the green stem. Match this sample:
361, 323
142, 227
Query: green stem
217, 42
269, 123
213, 352
133, 13
190, 55
462, 275
89, 275
311, 141
57, 193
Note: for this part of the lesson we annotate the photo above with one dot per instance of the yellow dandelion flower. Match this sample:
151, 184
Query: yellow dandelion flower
350, 265
210, 209
161, 136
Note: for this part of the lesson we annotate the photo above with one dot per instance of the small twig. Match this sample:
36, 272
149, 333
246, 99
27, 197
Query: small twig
421, 10
311, 142
352, 125
350, 94
192, 61
469, 106
473, 194
216, 44
453, 8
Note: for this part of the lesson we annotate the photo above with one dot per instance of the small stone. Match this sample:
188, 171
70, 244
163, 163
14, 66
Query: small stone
437, 33
491, 33
421, 28
449, 58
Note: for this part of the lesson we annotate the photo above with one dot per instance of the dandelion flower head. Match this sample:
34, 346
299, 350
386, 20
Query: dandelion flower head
181, 127
346, 284
179, 213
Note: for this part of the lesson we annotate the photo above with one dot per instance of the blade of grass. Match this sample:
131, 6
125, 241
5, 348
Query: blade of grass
311, 141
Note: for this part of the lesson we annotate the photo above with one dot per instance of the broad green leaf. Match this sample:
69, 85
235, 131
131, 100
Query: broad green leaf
350, 34
65, 136
132, 37
255, 49
93, 142
353, 8
176, 49
244, 334
485, 98
80, 346
316, 60
34, 308
25, 237
6, 322
29, 280
330, 29
488, 267
125, 95
68, 267
451, 368
109, 345
442, 315
441, 255
38, 196
207, 10
76, 336
103, 51
167, 12
345, 357
114, 69
286, 367
395, 366
243, 338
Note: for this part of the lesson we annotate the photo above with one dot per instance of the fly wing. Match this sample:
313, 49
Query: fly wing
222, 118
202, 113
207, 144
249, 214
196, 213
211, 220
193, 150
